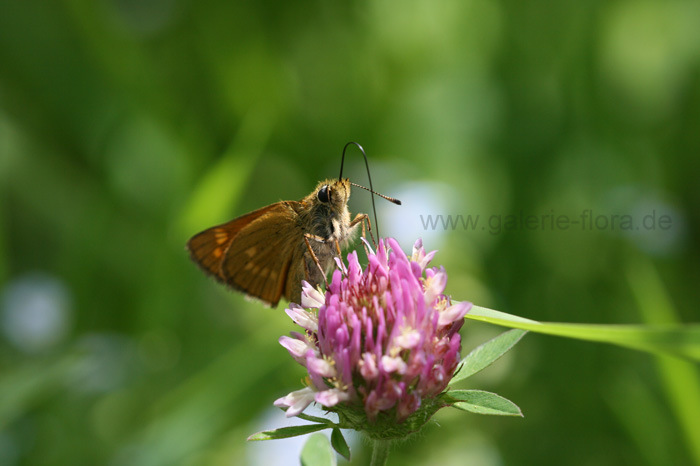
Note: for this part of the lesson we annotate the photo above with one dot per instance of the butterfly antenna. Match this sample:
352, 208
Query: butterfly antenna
369, 178
383, 196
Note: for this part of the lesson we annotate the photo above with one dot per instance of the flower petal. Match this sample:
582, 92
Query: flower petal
340, 264
425, 260
396, 364
296, 347
331, 397
319, 366
311, 297
418, 251
408, 338
454, 313
296, 401
302, 317
434, 286
368, 366
369, 246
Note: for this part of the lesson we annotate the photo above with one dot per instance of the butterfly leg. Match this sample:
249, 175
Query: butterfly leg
308, 236
364, 218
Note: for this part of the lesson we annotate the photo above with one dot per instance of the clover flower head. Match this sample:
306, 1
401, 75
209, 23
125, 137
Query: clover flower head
382, 342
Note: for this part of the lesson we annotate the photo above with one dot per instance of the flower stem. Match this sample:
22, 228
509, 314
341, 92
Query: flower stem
380, 452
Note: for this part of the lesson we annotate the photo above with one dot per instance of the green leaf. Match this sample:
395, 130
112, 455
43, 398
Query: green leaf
320, 420
339, 444
317, 452
672, 339
486, 354
286, 432
481, 402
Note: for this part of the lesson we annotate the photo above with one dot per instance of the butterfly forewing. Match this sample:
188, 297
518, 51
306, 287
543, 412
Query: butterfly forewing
208, 248
259, 258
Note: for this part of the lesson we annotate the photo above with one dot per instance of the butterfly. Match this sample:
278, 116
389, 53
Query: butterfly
268, 252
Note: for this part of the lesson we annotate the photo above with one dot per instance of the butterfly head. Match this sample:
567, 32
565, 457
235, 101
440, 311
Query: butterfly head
333, 193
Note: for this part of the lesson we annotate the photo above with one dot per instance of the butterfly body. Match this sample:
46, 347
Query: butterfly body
267, 253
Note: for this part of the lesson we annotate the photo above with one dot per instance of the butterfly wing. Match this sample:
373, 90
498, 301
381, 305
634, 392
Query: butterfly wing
263, 254
208, 248
297, 273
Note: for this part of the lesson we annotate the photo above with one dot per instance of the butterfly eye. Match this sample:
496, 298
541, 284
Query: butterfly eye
324, 194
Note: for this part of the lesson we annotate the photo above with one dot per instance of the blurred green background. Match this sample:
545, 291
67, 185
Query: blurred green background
126, 126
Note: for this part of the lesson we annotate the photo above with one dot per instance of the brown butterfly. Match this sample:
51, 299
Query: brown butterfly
268, 252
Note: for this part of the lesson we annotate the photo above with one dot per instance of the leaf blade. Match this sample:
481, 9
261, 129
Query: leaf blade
488, 353
319, 420
339, 444
482, 402
286, 432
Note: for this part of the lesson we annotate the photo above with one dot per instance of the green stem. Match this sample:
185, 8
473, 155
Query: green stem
380, 452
